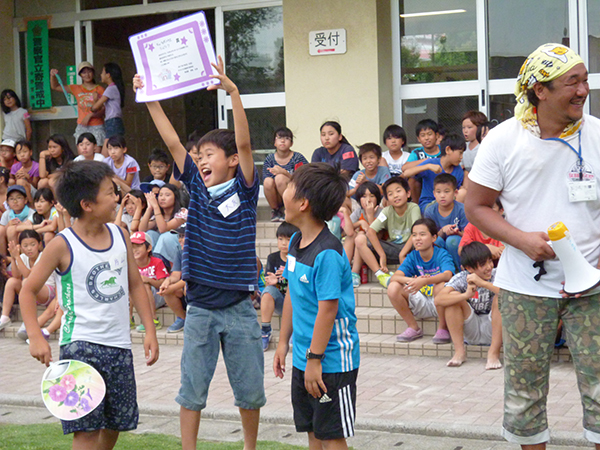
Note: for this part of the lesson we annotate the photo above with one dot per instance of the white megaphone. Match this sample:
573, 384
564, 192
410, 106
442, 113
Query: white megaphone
580, 275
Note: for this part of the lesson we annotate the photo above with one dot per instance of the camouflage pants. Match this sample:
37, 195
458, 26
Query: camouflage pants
529, 327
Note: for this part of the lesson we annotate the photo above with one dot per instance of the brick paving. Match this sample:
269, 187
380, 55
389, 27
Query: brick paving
403, 390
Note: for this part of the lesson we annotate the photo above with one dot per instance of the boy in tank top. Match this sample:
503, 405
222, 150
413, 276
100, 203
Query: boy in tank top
97, 274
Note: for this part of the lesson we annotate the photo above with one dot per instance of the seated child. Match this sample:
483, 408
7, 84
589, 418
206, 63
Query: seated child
473, 234
276, 286
126, 169
448, 215
4, 182
360, 220
320, 304
7, 153
397, 219
173, 288
26, 171
427, 135
30, 243
453, 147
86, 147
132, 208
17, 212
54, 158
159, 165
44, 219
95, 326
418, 280
471, 306
278, 169
470, 122
152, 271
394, 138
370, 156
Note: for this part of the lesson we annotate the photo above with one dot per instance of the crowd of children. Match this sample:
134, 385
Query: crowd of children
337, 221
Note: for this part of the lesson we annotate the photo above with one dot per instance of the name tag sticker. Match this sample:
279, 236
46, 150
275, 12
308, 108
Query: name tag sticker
230, 205
291, 263
582, 191
382, 217
118, 262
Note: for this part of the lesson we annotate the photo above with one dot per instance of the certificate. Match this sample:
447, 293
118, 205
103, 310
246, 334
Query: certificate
174, 58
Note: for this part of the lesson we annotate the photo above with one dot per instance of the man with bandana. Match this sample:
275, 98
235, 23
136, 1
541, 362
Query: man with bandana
542, 165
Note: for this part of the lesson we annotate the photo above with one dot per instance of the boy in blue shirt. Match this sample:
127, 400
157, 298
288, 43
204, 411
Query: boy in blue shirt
448, 215
219, 266
453, 147
320, 305
420, 277
370, 157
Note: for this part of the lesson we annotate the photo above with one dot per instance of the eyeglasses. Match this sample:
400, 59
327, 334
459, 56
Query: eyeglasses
283, 138
158, 166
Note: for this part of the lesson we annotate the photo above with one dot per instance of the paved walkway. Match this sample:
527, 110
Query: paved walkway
402, 394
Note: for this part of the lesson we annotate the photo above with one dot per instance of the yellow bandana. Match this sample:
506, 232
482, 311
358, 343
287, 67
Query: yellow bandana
547, 63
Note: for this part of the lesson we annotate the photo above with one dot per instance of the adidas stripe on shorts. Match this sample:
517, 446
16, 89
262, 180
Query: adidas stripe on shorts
332, 416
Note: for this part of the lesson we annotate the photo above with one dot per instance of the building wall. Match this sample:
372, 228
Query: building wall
354, 88
6, 49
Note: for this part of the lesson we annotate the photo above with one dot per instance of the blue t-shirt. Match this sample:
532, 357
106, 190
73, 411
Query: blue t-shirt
220, 236
419, 153
383, 174
414, 266
316, 273
345, 156
426, 178
456, 217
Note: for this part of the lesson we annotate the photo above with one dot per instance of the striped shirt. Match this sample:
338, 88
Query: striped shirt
321, 272
220, 236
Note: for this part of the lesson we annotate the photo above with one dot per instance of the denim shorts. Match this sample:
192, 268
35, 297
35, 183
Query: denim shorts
278, 297
119, 410
235, 329
114, 127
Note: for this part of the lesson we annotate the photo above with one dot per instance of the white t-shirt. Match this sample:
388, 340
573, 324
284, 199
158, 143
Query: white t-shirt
97, 157
532, 175
469, 157
51, 279
395, 165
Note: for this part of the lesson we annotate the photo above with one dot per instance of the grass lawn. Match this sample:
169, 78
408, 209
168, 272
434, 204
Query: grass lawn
50, 437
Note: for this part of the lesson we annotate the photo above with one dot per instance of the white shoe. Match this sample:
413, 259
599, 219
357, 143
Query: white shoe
22, 333
4, 322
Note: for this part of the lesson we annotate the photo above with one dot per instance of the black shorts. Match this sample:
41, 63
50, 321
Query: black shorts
332, 416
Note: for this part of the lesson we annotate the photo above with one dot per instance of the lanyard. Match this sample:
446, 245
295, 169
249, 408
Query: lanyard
578, 153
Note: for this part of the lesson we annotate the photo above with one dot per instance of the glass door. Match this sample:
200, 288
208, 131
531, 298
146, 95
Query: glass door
251, 43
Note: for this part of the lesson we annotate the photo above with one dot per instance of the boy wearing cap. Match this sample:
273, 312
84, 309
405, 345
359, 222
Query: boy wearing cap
17, 212
7, 153
152, 271
87, 121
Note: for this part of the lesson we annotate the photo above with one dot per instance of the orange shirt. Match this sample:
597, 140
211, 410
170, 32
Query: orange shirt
85, 101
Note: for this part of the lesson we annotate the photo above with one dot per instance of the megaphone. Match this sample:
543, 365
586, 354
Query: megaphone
580, 275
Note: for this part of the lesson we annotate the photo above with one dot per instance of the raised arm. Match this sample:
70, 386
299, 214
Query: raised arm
240, 121
421, 168
164, 127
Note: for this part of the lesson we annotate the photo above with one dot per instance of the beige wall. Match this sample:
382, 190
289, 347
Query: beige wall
354, 88
7, 79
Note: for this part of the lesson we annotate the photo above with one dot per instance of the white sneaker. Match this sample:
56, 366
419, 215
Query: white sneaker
4, 322
22, 333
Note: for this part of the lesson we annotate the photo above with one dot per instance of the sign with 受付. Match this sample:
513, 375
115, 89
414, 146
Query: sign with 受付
174, 58
327, 42
38, 69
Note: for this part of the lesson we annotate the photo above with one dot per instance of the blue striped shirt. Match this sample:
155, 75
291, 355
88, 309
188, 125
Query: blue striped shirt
220, 243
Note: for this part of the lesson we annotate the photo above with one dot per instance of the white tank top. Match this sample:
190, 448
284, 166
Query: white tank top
94, 292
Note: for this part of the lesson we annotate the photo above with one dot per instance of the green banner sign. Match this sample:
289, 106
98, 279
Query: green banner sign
71, 79
38, 65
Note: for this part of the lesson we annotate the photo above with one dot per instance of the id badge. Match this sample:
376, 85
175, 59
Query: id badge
582, 191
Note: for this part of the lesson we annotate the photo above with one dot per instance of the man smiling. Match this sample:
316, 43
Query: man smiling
541, 164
